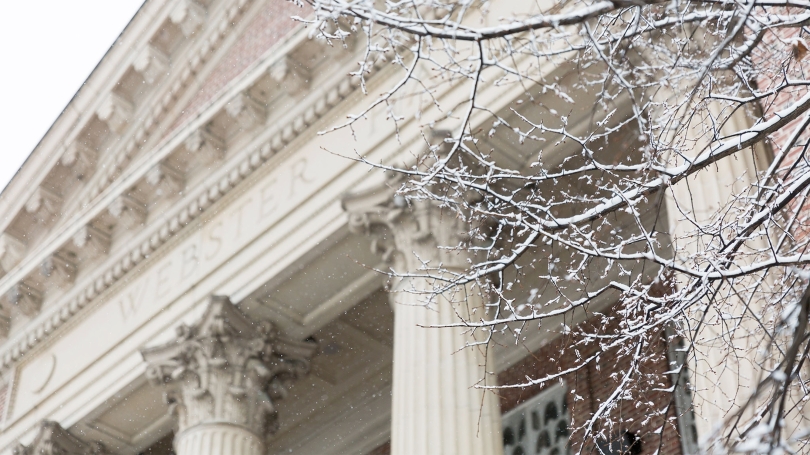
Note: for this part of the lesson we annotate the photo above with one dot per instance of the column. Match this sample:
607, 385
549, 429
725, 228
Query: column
436, 408
222, 375
722, 378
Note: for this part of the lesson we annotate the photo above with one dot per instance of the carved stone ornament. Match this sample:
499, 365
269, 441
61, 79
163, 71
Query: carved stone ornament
91, 242
227, 369
188, 15
80, 159
245, 110
128, 211
24, 299
116, 112
164, 180
58, 270
52, 439
44, 205
412, 235
204, 147
152, 64
290, 75
12, 250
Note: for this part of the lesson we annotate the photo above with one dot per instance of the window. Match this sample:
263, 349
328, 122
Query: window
538, 426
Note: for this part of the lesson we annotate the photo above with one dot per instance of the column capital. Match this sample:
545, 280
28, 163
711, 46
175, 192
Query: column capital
413, 234
227, 369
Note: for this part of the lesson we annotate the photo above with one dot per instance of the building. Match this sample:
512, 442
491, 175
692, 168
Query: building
186, 175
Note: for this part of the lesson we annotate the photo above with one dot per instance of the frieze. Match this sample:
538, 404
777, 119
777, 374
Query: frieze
251, 160
203, 248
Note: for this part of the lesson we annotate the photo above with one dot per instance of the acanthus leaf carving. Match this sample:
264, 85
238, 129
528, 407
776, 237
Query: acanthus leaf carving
414, 234
80, 159
24, 299
204, 147
116, 112
12, 250
58, 270
293, 77
44, 205
245, 110
226, 368
188, 15
91, 242
152, 64
52, 439
128, 211
164, 180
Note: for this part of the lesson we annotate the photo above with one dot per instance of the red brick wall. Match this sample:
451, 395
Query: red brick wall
642, 415
590, 386
265, 29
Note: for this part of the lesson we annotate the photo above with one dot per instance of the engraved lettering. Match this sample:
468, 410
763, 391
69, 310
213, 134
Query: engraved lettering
298, 171
190, 262
268, 199
163, 280
214, 242
239, 215
131, 302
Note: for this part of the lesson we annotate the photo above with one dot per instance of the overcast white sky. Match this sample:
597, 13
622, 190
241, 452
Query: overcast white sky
48, 48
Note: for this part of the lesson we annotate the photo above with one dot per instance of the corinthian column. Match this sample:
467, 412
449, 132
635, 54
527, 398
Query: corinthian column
223, 374
436, 409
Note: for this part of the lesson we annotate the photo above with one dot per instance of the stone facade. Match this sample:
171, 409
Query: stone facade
188, 166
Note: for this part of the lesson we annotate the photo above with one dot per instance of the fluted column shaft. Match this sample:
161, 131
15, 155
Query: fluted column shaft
436, 409
723, 380
218, 439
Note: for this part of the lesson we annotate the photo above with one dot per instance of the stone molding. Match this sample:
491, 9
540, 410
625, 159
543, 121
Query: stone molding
91, 242
44, 205
12, 250
80, 159
149, 120
164, 180
59, 270
160, 106
204, 147
116, 112
152, 64
227, 369
245, 110
207, 195
24, 299
290, 75
424, 234
251, 160
128, 211
189, 16
52, 439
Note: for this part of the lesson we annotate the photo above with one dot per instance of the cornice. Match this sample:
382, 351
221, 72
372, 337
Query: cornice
75, 114
154, 112
96, 99
195, 203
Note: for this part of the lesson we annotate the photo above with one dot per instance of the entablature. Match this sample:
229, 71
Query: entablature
164, 190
